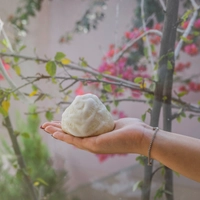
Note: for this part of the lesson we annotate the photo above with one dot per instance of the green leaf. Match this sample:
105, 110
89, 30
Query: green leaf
3, 112
42, 181
169, 65
108, 107
178, 119
83, 62
15, 96
159, 193
16, 59
198, 119
25, 135
181, 94
143, 117
177, 174
34, 87
22, 47
156, 67
59, 56
186, 40
17, 69
183, 114
74, 77
99, 77
138, 79
186, 15
137, 185
51, 68
164, 98
141, 159
170, 55
198, 103
191, 116
116, 103
5, 43
107, 87
49, 115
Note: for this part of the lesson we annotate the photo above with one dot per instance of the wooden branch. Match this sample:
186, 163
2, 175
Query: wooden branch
20, 160
150, 56
131, 42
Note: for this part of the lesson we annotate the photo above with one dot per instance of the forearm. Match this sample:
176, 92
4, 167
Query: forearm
178, 152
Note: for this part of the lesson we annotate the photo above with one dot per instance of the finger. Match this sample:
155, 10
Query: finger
56, 124
52, 129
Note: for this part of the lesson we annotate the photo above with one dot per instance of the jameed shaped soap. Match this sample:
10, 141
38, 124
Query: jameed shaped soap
86, 116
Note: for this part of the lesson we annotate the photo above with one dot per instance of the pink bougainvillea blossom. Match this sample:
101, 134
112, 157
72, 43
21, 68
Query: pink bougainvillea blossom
79, 90
6, 67
197, 24
191, 49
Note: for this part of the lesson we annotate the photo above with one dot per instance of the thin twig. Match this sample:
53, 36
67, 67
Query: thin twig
150, 56
188, 29
131, 42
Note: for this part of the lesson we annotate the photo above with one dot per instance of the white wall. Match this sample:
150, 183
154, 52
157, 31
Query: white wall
56, 18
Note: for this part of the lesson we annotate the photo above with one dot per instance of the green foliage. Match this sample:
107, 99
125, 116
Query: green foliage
51, 68
39, 165
59, 56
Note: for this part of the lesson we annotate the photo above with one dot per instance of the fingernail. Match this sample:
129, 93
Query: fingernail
41, 127
53, 137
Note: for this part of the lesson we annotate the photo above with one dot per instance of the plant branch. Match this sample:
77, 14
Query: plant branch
131, 42
20, 159
163, 5
188, 29
150, 56
115, 80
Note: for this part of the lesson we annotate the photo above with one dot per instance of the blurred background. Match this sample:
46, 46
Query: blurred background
85, 176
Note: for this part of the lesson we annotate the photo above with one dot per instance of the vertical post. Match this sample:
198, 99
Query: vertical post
163, 88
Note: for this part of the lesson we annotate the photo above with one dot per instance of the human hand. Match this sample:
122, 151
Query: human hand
127, 137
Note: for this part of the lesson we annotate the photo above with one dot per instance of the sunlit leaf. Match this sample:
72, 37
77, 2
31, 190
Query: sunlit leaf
107, 87
169, 65
49, 115
178, 119
51, 68
59, 56
17, 69
42, 181
22, 47
138, 79
83, 62
108, 107
143, 117
5, 105
143, 85
25, 135
116, 103
137, 185
36, 183
65, 61
33, 93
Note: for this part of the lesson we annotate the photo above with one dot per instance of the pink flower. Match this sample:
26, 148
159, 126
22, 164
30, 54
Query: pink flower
185, 24
191, 49
6, 66
197, 24
79, 90
104, 157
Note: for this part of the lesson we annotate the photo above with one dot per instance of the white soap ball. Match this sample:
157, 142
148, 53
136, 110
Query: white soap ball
86, 116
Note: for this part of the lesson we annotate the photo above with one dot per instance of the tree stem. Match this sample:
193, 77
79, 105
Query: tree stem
20, 159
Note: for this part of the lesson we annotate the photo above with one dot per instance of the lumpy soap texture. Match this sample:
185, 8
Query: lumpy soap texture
86, 116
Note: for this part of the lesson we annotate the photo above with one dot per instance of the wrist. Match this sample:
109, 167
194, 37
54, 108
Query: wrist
148, 133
